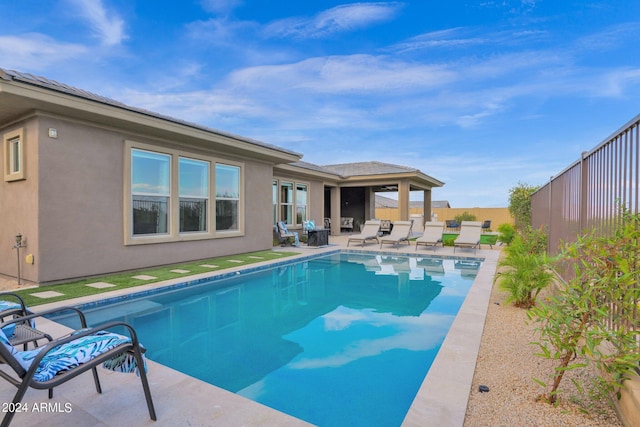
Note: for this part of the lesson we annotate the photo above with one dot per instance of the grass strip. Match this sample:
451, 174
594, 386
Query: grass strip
125, 280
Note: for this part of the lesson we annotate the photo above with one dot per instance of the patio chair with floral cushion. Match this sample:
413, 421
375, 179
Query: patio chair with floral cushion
67, 357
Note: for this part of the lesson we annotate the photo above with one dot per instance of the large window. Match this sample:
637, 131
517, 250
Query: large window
194, 194
274, 199
227, 197
290, 202
150, 192
301, 203
286, 202
172, 195
13, 148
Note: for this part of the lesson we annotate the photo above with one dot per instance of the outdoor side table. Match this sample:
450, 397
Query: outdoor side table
24, 334
318, 237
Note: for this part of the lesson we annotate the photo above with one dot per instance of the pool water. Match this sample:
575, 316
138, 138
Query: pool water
343, 339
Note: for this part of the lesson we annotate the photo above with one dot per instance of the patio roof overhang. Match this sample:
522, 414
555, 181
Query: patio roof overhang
23, 95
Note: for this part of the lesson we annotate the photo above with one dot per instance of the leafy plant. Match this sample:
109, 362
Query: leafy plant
448, 241
507, 233
592, 319
526, 269
465, 216
520, 204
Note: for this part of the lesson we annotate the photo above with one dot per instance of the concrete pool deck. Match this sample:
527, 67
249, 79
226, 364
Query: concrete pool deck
182, 400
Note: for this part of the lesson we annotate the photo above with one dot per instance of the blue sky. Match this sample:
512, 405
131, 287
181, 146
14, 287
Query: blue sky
478, 94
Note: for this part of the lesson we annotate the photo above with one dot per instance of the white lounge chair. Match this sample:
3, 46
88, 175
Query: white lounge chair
469, 237
369, 232
401, 231
432, 234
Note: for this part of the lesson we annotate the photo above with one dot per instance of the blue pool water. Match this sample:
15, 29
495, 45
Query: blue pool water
343, 339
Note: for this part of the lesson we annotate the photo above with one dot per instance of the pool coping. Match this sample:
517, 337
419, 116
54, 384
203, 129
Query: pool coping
443, 396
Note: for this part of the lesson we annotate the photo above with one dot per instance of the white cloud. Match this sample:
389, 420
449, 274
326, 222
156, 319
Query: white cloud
108, 27
344, 74
344, 18
33, 51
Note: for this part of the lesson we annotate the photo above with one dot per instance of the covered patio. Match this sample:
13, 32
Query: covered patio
353, 195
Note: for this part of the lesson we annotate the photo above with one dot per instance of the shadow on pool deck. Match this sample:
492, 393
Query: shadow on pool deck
182, 400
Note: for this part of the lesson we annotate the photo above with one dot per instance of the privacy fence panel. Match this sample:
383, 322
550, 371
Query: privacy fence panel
591, 193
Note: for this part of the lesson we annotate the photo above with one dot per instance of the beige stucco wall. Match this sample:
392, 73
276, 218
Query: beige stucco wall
19, 206
80, 215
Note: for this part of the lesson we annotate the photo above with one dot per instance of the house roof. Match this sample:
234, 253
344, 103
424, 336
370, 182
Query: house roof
21, 93
368, 168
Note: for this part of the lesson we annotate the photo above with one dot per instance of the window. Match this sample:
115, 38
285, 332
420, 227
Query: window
286, 202
274, 198
194, 194
13, 143
301, 203
290, 202
227, 197
150, 192
171, 195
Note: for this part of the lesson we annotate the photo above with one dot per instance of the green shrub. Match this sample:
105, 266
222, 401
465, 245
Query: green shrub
507, 233
526, 270
465, 216
574, 324
448, 241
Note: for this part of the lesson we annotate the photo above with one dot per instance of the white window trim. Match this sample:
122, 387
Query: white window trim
8, 143
174, 234
294, 203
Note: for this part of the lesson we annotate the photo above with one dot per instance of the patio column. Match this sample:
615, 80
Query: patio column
403, 199
426, 206
369, 203
335, 211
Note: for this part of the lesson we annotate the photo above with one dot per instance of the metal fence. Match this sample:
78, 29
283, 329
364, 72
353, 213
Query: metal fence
589, 194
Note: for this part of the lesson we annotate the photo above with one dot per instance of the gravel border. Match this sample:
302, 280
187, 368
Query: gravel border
507, 363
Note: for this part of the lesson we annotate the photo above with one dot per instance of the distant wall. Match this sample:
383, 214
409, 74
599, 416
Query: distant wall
496, 215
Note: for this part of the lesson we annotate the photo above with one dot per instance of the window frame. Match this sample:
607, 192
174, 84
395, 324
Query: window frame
277, 183
174, 234
10, 141
207, 198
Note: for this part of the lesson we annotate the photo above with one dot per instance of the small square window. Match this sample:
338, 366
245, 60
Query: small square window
13, 150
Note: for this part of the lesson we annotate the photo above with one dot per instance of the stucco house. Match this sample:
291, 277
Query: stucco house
94, 186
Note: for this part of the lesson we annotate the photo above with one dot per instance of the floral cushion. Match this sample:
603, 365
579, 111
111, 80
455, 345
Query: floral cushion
74, 353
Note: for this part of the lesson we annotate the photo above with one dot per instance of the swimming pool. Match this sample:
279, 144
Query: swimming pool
334, 340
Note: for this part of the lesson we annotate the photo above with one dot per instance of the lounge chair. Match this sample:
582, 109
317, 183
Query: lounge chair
369, 232
432, 234
469, 237
67, 357
400, 232
284, 234
486, 226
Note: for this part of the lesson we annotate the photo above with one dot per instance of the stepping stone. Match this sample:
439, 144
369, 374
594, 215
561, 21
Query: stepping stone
209, 266
255, 257
275, 253
237, 261
144, 277
100, 285
47, 294
178, 270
